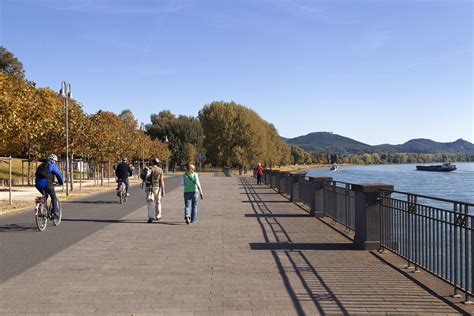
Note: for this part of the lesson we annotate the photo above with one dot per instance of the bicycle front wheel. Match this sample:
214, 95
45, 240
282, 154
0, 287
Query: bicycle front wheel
57, 220
41, 217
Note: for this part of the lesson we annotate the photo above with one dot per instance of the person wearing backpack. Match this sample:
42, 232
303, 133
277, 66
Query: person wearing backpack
155, 186
122, 172
192, 187
44, 182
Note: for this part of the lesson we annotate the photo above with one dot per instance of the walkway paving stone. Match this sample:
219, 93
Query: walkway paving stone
251, 253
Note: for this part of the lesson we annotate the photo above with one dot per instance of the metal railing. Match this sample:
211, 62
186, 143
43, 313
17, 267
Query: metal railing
432, 233
339, 203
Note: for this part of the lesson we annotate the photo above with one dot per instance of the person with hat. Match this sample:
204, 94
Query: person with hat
156, 189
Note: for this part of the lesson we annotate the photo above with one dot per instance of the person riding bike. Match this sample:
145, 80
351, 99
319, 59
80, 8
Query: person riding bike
45, 174
122, 172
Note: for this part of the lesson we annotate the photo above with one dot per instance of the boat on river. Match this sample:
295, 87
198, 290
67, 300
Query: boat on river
446, 167
334, 167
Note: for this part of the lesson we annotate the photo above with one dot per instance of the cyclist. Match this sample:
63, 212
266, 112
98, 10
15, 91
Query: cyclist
45, 174
122, 172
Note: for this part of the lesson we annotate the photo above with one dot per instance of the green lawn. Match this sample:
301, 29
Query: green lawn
16, 168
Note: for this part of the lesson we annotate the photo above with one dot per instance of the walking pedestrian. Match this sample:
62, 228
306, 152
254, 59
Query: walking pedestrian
156, 191
192, 191
259, 172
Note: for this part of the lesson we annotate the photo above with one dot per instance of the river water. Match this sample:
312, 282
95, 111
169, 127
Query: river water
457, 185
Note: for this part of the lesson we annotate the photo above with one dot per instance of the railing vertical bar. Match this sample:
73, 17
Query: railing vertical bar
426, 221
437, 246
405, 233
445, 248
415, 229
455, 257
472, 257
466, 256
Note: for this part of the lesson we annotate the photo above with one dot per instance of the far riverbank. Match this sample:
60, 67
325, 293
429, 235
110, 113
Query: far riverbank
457, 185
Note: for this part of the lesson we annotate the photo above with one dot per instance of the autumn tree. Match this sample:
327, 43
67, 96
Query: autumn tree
10, 65
183, 133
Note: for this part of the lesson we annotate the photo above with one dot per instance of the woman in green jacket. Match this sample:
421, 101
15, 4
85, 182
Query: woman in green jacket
192, 187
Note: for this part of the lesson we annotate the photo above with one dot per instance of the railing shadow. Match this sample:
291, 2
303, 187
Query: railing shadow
284, 250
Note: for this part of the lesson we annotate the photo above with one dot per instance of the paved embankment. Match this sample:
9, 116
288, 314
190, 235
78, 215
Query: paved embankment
250, 252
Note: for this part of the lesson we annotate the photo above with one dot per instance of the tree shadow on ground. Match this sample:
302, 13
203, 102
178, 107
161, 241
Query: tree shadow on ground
26, 227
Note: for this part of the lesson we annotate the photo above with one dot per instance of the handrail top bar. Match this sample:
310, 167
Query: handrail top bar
341, 182
429, 197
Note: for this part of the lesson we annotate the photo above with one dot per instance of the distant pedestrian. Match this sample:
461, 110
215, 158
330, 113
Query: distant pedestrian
155, 191
259, 173
192, 192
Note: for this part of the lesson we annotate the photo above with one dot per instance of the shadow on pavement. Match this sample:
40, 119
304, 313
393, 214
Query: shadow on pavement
90, 202
299, 246
292, 253
18, 228
278, 215
117, 221
170, 223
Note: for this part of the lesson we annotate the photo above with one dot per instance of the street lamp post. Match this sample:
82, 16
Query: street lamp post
142, 128
65, 93
166, 162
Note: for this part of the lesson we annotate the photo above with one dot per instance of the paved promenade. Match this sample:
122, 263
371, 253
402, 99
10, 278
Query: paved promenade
251, 252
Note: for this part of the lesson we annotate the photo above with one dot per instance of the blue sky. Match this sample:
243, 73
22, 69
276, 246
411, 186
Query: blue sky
376, 71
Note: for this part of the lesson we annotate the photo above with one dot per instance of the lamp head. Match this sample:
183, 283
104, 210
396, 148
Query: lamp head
62, 94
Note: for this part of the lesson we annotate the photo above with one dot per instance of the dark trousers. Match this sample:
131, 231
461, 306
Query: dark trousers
49, 191
259, 179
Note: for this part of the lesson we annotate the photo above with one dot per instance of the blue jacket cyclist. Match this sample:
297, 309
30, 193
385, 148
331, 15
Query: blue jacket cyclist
45, 174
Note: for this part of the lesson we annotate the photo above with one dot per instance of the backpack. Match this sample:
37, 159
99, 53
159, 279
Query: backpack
146, 176
43, 170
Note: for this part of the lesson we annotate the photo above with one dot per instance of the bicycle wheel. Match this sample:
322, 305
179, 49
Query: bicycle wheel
121, 197
41, 217
57, 220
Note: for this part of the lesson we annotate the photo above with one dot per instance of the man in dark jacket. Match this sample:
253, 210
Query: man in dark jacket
122, 172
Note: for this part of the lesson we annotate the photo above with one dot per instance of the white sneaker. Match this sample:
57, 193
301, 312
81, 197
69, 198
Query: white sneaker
128, 194
158, 217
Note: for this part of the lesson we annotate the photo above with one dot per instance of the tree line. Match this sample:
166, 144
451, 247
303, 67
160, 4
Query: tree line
32, 123
222, 134
388, 158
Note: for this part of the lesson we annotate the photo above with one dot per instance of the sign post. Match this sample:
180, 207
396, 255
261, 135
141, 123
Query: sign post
200, 159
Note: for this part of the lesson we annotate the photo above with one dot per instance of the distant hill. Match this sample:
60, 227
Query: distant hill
333, 143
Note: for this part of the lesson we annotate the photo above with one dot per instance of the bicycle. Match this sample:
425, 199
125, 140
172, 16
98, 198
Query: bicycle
122, 192
43, 213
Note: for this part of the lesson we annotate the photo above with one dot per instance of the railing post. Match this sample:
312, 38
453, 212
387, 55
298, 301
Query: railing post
294, 187
301, 186
272, 177
317, 195
281, 182
367, 230
266, 176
